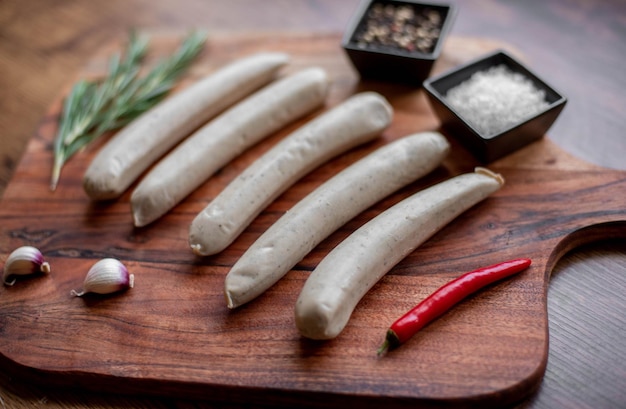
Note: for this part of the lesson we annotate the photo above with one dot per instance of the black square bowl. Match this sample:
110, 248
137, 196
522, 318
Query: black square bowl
403, 48
488, 148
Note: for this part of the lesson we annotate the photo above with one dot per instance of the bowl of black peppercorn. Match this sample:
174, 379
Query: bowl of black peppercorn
397, 41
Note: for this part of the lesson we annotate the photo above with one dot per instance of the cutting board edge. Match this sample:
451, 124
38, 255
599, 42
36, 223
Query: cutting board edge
53, 380
610, 229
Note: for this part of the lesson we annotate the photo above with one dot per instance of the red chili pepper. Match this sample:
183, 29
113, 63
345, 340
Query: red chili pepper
445, 298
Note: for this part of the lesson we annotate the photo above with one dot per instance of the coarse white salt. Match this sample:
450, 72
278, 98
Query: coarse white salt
495, 99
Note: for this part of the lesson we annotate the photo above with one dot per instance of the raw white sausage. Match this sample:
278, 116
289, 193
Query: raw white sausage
329, 207
133, 149
214, 145
355, 121
344, 276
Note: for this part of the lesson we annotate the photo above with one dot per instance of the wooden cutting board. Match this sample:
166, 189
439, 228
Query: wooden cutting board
173, 335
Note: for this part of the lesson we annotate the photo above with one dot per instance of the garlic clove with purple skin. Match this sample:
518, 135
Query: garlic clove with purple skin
107, 276
24, 260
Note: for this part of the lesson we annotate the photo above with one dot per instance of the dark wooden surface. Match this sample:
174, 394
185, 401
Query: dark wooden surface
45, 43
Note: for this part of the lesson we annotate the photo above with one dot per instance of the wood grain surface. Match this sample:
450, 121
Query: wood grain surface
578, 45
173, 335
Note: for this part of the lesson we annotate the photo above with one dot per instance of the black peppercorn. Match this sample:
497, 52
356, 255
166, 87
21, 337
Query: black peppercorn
404, 27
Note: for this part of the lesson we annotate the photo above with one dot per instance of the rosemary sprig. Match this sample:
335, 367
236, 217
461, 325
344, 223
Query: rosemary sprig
95, 107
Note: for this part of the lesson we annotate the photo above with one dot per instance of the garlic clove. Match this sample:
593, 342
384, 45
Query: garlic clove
24, 260
106, 276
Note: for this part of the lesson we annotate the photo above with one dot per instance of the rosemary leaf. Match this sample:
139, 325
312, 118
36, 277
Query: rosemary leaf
95, 107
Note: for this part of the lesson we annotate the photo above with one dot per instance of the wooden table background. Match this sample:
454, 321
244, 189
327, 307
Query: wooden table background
579, 46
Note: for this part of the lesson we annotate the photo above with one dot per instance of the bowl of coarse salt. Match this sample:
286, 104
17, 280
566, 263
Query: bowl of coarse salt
494, 105
397, 41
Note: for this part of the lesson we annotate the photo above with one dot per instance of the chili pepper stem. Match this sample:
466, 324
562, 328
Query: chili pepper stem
391, 342
383, 348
